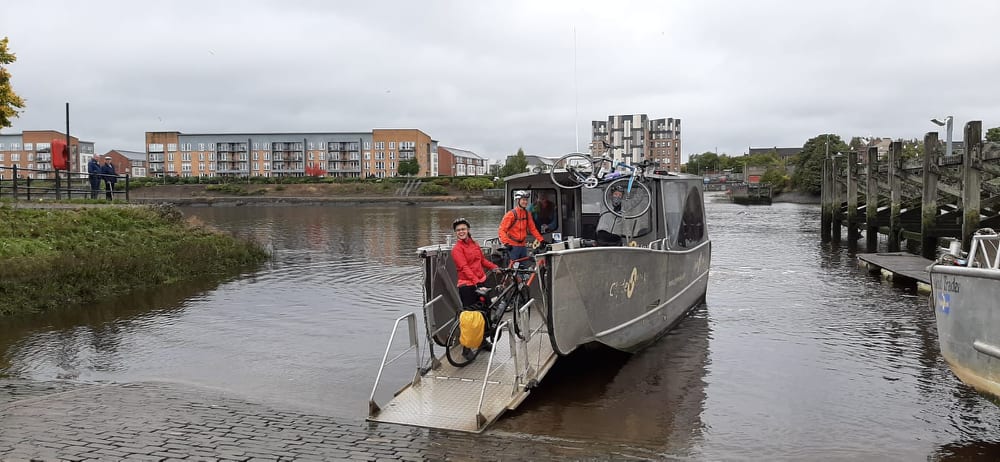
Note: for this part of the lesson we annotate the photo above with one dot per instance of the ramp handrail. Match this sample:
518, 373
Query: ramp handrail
373, 408
515, 342
480, 418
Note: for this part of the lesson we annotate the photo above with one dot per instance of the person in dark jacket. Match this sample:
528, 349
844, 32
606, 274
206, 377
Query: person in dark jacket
469, 262
110, 178
94, 175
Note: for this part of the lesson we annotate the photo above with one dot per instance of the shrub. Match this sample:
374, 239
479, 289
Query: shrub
475, 184
431, 189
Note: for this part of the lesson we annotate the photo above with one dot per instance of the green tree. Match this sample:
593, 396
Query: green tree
809, 167
704, 162
9, 101
517, 163
912, 149
993, 134
409, 167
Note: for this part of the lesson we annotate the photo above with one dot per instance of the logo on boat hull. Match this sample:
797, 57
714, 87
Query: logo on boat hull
626, 286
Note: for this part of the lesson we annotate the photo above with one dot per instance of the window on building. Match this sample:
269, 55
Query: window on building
170, 157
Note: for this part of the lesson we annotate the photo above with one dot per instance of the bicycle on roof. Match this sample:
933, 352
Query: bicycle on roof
577, 170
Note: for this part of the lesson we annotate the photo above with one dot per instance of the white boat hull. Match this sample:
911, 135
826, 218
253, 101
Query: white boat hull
967, 309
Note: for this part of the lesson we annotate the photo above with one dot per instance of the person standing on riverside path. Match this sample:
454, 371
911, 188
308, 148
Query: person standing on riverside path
516, 225
94, 175
110, 178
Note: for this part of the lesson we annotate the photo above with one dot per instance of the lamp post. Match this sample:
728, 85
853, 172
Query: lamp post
947, 124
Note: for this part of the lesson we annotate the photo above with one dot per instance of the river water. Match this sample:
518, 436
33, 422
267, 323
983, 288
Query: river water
797, 354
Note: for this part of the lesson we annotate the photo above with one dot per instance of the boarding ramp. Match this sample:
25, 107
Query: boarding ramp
466, 398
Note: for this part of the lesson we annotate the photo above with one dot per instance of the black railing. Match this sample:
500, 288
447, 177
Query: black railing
37, 184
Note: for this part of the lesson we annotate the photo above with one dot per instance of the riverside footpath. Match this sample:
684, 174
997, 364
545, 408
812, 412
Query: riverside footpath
160, 421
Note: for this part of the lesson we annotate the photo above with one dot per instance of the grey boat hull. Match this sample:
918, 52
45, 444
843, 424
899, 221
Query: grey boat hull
967, 307
622, 297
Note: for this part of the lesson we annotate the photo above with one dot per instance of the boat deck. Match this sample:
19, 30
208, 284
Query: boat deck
447, 397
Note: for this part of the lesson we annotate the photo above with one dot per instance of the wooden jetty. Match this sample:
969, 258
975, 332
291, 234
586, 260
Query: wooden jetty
917, 202
899, 267
749, 193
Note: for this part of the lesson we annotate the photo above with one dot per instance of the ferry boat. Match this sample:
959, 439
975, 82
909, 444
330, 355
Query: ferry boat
965, 293
623, 293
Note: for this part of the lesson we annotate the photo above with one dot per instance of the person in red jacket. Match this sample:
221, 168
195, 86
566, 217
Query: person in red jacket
470, 263
516, 225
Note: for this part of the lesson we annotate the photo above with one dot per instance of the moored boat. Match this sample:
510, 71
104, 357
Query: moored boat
965, 297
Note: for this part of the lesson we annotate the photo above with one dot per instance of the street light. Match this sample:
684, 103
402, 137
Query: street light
947, 144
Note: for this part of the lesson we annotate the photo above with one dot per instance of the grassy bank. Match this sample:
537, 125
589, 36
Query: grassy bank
51, 257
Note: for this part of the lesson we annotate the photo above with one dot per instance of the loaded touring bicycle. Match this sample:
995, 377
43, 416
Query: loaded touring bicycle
606, 275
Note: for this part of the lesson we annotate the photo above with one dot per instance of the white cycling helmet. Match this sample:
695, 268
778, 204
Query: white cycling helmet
520, 194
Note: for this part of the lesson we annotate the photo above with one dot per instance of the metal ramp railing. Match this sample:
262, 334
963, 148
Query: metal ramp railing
984, 252
472, 397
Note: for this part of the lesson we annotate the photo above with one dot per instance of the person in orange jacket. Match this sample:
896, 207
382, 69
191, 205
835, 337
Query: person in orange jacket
470, 264
516, 225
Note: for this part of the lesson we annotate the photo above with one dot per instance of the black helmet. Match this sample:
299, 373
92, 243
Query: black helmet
459, 221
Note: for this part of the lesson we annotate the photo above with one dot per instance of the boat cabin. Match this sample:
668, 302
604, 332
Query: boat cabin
676, 218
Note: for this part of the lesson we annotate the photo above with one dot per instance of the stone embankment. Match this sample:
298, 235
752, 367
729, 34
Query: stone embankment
294, 194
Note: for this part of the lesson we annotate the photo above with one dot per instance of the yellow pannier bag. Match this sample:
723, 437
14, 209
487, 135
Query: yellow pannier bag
471, 324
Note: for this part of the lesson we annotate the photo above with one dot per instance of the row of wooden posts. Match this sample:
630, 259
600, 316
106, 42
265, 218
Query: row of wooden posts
920, 201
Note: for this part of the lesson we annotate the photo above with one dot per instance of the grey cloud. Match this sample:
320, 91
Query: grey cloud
494, 76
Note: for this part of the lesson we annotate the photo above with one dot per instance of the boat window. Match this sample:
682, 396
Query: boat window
674, 198
544, 211
692, 230
594, 208
567, 213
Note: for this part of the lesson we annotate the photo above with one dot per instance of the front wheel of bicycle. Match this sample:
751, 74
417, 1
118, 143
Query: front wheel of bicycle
572, 170
634, 201
522, 321
457, 354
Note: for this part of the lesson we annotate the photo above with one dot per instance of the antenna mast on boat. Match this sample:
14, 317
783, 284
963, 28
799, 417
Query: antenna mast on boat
576, 94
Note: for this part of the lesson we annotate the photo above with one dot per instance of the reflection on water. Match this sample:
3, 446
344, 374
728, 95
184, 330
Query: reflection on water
797, 354
652, 400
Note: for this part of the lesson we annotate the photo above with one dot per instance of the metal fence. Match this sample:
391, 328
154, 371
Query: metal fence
36, 184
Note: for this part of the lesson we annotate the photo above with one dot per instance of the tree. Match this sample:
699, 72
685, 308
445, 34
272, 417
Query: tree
515, 164
9, 101
993, 134
809, 166
409, 167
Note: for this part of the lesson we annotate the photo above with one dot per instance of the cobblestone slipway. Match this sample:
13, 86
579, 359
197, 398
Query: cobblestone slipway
155, 421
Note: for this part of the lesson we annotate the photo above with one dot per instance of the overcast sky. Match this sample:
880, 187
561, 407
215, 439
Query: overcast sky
493, 76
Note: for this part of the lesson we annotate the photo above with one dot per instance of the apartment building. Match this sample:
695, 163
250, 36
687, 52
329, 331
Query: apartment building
131, 162
459, 162
636, 137
344, 155
392, 145
31, 150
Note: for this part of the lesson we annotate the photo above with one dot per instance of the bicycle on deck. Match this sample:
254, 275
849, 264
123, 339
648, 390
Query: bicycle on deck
508, 296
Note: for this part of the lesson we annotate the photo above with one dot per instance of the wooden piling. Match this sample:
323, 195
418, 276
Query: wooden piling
838, 216
972, 180
871, 200
826, 210
929, 206
853, 230
896, 194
